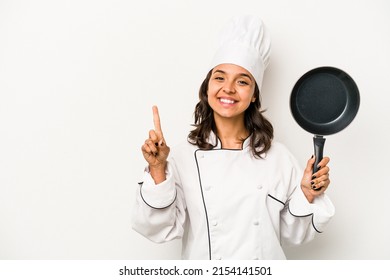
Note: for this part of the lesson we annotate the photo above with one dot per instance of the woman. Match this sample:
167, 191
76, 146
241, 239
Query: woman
230, 192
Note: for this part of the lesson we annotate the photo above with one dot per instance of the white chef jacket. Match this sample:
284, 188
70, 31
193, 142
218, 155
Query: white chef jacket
227, 204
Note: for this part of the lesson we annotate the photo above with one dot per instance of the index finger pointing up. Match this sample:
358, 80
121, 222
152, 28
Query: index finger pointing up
156, 121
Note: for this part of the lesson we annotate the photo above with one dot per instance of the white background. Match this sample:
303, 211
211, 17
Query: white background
77, 82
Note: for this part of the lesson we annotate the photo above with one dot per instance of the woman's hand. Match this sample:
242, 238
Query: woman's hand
315, 184
155, 150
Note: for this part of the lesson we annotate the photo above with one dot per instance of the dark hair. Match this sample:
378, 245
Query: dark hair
260, 128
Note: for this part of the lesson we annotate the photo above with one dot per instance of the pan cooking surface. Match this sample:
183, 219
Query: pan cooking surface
324, 100
319, 90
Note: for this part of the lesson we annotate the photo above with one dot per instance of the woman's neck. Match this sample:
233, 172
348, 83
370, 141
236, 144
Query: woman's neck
231, 132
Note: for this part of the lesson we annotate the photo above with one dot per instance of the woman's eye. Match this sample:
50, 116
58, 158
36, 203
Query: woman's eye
243, 83
219, 78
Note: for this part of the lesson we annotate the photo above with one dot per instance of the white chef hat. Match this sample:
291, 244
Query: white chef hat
245, 42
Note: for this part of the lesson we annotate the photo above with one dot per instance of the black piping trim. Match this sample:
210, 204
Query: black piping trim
140, 192
204, 203
312, 219
288, 207
276, 199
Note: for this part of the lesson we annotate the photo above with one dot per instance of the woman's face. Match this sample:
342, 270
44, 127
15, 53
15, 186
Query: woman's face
230, 90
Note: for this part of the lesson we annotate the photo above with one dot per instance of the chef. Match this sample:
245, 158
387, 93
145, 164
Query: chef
230, 191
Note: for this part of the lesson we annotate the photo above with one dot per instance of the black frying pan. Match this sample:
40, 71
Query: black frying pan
324, 101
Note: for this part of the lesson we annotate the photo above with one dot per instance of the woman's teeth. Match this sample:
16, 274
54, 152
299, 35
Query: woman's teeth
227, 101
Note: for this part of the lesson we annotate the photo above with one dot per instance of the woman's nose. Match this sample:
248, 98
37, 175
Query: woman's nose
229, 87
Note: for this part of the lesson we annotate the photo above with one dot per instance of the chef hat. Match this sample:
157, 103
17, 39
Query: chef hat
244, 41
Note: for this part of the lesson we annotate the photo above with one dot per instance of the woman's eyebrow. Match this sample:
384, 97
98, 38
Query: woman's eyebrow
219, 71
239, 74
245, 75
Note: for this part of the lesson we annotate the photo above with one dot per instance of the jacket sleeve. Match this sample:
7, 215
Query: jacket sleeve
300, 219
159, 210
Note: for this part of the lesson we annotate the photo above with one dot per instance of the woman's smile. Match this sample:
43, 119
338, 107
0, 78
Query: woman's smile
226, 101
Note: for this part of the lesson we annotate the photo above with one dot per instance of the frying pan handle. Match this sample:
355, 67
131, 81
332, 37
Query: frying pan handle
319, 143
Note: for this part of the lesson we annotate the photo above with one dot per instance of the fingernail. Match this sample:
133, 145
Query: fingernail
312, 156
313, 177
312, 182
156, 144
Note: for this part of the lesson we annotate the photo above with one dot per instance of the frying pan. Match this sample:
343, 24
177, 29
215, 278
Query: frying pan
324, 101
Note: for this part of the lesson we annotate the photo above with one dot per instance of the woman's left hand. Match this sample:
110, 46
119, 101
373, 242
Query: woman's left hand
315, 184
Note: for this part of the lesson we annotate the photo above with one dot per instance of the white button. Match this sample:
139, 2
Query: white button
255, 258
214, 223
218, 258
256, 223
207, 188
259, 187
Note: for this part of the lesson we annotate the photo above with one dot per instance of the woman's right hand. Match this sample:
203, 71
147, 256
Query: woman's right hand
155, 150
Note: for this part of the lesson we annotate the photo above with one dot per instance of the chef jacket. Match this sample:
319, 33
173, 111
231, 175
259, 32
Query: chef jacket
228, 204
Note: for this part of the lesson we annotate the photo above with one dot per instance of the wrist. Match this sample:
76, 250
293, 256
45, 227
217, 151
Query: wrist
309, 196
158, 172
